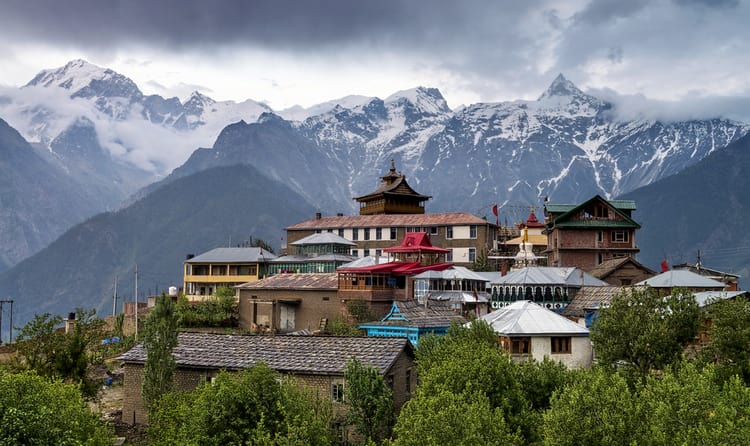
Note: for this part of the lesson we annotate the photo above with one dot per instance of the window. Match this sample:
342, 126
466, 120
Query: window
449, 232
317, 231
620, 237
393, 233
341, 232
378, 233
449, 255
472, 254
434, 230
600, 236
367, 233
378, 252
520, 346
355, 233
337, 391
366, 252
355, 253
473, 231
560, 344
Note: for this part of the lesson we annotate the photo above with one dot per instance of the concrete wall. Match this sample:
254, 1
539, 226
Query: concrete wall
580, 356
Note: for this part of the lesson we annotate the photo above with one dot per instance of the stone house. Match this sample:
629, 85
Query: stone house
317, 362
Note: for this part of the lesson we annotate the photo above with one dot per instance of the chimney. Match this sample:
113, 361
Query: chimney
504, 268
70, 323
318, 215
189, 256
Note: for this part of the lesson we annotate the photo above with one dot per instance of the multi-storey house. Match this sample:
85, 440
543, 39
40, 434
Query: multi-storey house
587, 234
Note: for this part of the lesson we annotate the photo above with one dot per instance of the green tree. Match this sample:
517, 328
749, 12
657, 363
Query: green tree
370, 401
253, 407
34, 410
596, 408
446, 418
40, 342
468, 360
49, 351
686, 405
642, 331
482, 263
729, 335
159, 339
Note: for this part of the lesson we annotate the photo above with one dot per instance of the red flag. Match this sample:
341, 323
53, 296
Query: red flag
664, 266
494, 211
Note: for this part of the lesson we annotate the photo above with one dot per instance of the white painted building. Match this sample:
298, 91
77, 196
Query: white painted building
528, 330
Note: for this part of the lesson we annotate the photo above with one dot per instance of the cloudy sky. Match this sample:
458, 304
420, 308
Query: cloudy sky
675, 57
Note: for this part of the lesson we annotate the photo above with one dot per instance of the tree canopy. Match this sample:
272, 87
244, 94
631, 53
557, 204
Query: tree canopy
35, 410
159, 339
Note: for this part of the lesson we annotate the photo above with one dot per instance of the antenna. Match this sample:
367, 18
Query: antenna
114, 299
136, 302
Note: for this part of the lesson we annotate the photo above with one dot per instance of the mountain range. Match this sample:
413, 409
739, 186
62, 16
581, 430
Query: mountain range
106, 146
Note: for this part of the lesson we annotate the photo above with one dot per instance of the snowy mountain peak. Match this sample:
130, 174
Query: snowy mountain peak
84, 79
428, 100
197, 98
561, 87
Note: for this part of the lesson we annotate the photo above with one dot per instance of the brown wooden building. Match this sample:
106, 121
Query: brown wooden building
393, 196
588, 234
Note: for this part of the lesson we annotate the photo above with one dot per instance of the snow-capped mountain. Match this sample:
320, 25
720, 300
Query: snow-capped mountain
98, 126
566, 145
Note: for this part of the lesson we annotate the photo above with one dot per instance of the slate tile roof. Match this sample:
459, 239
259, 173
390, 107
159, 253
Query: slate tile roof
383, 220
315, 355
590, 297
411, 313
233, 255
302, 281
607, 267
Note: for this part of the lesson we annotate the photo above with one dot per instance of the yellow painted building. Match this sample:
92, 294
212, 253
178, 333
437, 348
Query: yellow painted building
223, 267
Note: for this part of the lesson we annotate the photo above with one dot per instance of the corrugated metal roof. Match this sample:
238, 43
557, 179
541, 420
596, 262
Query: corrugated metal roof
609, 266
681, 278
323, 238
390, 220
288, 354
550, 275
460, 296
703, 297
593, 297
526, 318
366, 261
454, 272
233, 255
309, 281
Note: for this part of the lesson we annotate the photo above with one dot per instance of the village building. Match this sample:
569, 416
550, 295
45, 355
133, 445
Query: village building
731, 280
584, 307
223, 267
411, 319
551, 287
527, 330
682, 278
317, 362
380, 284
390, 212
590, 233
622, 272
317, 253
286, 303
463, 289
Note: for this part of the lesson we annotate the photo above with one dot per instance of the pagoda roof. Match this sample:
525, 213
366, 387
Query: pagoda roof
398, 268
394, 183
417, 242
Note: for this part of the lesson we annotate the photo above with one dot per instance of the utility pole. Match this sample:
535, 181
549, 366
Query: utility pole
136, 302
114, 297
